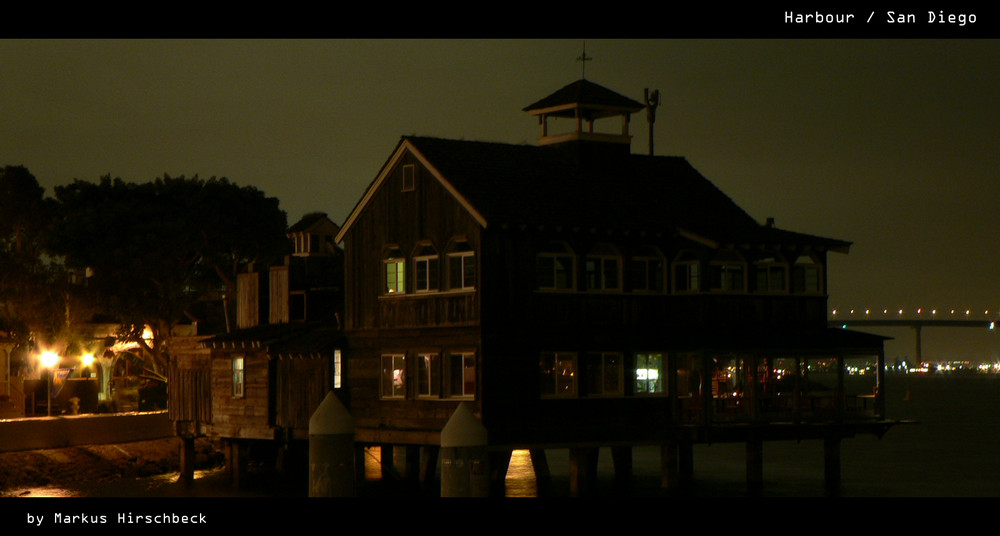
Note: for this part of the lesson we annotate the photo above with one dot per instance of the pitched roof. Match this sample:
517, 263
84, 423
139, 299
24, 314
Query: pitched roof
510, 184
285, 340
585, 94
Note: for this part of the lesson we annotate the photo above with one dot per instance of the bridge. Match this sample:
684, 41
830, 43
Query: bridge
917, 319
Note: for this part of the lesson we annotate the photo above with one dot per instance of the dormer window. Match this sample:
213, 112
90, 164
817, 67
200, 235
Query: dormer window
807, 275
687, 272
602, 268
771, 274
647, 270
461, 266
556, 267
426, 268
727, 272
395, 272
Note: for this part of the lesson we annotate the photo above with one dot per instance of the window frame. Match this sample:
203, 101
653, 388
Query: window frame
557, 388
452, 379
409, 178
596, 366
428, 375
804, 268
640, 271
394, 284
686, 268
596, 269
462, 265
239, 376
562, 261
426, 258
662, 372
397, 364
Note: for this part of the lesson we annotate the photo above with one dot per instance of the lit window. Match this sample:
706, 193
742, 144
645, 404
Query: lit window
427, 269
462, 375
394, 376
461, 266
602, 267
558, 375
556, 268
428, 384
650, 374
647, 270
395, 272
337, 364
604, 374
239, 378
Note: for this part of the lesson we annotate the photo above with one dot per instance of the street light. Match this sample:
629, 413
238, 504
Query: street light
50, 360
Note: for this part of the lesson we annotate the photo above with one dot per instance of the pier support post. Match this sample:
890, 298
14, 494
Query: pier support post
464, 456
499, 464
755, 466
428, 463
582, 471
622, 459
685, 463
331, 450
669, 460
237, 456
187, 460
831, 464
543, 476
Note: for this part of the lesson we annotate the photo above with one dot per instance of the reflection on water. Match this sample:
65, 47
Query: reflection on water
159, 485
520, 481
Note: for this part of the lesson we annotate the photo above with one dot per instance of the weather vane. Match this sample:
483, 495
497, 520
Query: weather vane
584, 59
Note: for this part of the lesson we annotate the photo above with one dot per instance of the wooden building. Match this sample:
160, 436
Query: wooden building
580, 295
260, 384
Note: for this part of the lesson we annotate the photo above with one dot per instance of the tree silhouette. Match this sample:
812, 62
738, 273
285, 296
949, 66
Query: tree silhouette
159, 252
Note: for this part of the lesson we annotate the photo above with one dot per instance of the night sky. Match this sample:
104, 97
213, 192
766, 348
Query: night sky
892, 144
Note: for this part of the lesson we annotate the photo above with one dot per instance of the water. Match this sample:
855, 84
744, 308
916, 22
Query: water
951, 452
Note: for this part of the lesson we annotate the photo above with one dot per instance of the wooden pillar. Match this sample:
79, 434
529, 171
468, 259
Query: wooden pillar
543, 476
237, 454
582, 471
428, 463
831, 463
880, 385
387, 463
499, 464
622, 459
670, 475
755, 466
918, 353
685, 463
360, 462
412, 469
187, 459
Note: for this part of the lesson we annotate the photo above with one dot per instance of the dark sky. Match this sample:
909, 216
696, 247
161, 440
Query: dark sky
892, 144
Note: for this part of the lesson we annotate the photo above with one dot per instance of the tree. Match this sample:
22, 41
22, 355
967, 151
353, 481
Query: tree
159, 250
31, 283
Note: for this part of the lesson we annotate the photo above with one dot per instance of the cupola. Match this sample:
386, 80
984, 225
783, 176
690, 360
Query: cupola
583, 103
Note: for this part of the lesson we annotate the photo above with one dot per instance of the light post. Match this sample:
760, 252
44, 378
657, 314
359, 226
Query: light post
49, 361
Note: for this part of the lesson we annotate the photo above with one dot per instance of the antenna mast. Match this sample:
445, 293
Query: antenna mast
652, 101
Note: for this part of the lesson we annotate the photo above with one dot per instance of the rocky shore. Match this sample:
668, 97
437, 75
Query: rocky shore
94, 465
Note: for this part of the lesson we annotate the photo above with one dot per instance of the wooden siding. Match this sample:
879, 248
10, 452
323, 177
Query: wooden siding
189, 396
405, 218
249, 416
279, 298
302, 384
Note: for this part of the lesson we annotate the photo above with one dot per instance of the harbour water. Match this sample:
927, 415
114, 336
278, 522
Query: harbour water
951, 450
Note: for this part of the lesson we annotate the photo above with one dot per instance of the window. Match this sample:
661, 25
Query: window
461, 266
726, 272
650, 374
771, 275
337, 364
409, 177
393, 376
647, 270
806, 275
604, 374
461, 375
239, 379
428, 384
556, 267
687, 273
427, 268
602, 267
558, 374
395, 272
